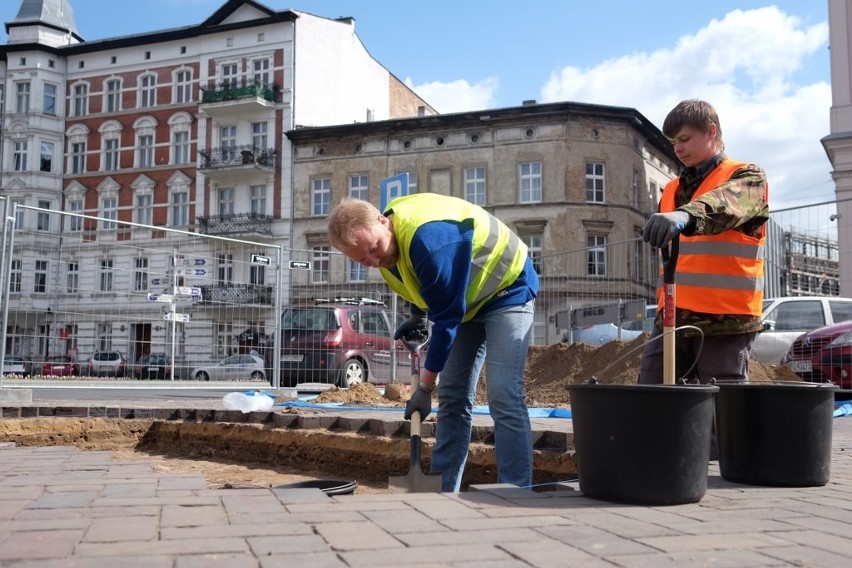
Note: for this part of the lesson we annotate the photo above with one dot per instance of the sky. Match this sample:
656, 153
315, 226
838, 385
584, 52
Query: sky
764, 65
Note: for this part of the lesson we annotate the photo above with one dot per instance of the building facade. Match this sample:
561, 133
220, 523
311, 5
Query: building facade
179, 128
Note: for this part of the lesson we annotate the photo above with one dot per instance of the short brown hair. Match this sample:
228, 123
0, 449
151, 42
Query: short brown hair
349, 216
695, 113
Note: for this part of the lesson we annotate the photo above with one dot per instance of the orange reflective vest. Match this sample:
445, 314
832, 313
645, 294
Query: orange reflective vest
717, 274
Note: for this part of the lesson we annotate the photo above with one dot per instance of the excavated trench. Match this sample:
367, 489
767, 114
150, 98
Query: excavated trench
268, 454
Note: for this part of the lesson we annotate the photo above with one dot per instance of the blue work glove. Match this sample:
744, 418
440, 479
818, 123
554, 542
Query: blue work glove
421, 400
663, 227
413, 329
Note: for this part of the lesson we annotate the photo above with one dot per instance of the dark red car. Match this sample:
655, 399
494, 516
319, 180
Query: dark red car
823, 355
60, 366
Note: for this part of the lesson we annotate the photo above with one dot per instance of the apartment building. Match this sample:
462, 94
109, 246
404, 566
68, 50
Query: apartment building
575, 181
176, 128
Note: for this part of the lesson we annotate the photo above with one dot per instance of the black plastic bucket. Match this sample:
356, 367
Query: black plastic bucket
327, 486
775, 433
643, 444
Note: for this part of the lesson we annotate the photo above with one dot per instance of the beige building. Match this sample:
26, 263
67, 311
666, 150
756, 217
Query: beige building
576, 181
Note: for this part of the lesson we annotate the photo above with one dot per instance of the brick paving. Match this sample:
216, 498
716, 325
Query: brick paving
64, 507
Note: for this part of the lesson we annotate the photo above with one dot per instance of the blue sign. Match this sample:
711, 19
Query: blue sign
391, 188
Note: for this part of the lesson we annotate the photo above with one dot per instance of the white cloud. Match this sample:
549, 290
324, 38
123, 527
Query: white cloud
457, 96
744, 64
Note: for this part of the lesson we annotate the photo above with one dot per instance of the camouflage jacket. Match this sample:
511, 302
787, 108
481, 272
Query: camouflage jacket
739, 204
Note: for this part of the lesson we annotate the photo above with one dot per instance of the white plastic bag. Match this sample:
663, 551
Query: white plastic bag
246, 403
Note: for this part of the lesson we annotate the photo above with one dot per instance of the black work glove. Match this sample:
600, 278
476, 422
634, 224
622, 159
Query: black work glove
421, 400
414, 328
663, 227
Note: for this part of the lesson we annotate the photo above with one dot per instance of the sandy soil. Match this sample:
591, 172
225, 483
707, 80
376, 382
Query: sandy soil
236, 455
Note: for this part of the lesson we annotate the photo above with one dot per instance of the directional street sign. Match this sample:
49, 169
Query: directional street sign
155, 281
180, 261
300, 265
260, 259
191, 272
169, 316
160, 298
192, 291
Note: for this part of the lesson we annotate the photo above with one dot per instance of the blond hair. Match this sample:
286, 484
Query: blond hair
695, 113
349, 216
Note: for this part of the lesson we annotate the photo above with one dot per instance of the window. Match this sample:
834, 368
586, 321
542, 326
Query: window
257, 275
143, 211
594, 182
321, 196
230, 80
180, 147
49, 100
530, 178
109, 212
596, 255
257, 194
75, 205
40, 282
224, 333
22, 100
43, 217
474, 185
258, 135
412, 185
261, 72
634, 193
110, 154
533, 243
639, 260
103, 333
226, 201
46, 161
113, 96
180, 208
225, 269
228, 141
358, 187
319, 264
357, 271
183, 87
78, 157
80, 100
140, 274
15, 277
20, 156
145, 151
106, 275
72, 277
147, 91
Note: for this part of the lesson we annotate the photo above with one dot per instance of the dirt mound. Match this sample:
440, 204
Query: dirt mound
363, 393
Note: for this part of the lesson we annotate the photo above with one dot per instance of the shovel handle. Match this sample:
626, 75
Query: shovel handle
415, 439
669, 255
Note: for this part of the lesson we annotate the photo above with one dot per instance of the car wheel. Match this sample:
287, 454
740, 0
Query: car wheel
257, 376
353, 373
202, 376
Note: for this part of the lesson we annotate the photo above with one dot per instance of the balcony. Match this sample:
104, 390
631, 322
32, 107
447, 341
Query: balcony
238, 294
236, 224
230, 163
225, 99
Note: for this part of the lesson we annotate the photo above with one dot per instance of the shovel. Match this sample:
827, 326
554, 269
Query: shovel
669, 254
415, 481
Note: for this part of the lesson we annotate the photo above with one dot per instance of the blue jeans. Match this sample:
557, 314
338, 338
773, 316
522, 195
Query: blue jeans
506, 334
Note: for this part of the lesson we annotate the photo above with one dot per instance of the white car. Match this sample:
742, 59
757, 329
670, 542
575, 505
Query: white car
599, 334
239, 367
785, 319
14, 365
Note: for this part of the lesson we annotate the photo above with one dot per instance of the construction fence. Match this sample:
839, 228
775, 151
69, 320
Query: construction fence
77, 284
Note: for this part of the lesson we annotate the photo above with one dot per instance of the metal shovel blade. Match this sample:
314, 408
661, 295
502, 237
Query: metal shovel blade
415, 481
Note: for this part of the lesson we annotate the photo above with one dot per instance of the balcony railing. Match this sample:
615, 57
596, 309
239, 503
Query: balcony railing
230, 91
237, 157
238, 223
239, 294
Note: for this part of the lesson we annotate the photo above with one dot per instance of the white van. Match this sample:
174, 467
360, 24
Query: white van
785, 319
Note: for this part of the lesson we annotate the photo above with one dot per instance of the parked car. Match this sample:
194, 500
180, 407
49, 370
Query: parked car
60, 366
785, 319
15, 365
599, 334
153, 366
242, 367
340, 342
107, 364
823, 355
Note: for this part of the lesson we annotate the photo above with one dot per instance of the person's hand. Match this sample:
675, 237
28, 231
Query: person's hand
414, 328
421, 400
663, 227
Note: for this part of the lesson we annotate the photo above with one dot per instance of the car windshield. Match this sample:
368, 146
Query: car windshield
308, 319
